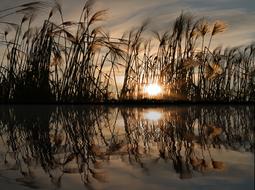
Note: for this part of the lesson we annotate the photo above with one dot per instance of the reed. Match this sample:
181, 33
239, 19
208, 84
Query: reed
77, 61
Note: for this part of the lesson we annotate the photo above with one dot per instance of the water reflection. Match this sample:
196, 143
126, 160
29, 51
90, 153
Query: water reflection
40, 143
153, 115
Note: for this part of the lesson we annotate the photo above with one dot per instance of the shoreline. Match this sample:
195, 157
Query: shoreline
134, 103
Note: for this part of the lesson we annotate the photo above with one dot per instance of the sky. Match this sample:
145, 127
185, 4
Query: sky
126, 14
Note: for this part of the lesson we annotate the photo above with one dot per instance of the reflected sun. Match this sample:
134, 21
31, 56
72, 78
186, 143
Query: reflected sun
152, 115
153, 89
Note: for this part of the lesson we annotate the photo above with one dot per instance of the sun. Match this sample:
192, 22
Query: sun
153, 89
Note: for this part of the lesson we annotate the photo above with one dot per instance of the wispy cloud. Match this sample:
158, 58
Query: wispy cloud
124, 15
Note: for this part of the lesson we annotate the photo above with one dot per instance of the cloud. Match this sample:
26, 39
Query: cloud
124, 15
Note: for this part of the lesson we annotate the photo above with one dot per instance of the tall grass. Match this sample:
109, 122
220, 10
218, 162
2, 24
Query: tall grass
56, 65
77, 61
186, 67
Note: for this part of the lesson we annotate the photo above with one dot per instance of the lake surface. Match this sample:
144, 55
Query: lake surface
97, 147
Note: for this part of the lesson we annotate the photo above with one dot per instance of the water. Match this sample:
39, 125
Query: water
83, 147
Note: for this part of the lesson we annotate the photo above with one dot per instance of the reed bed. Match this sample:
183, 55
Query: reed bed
77, 61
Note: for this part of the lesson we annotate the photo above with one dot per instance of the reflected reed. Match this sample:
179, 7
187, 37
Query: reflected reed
82, 140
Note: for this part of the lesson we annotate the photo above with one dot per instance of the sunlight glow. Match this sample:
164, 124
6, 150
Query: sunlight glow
152, 115
153, 89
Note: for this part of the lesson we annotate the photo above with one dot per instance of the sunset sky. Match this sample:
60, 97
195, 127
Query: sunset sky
123, 15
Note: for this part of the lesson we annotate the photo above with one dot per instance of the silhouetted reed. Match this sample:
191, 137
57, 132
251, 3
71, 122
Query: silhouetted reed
51, 64
77, 61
